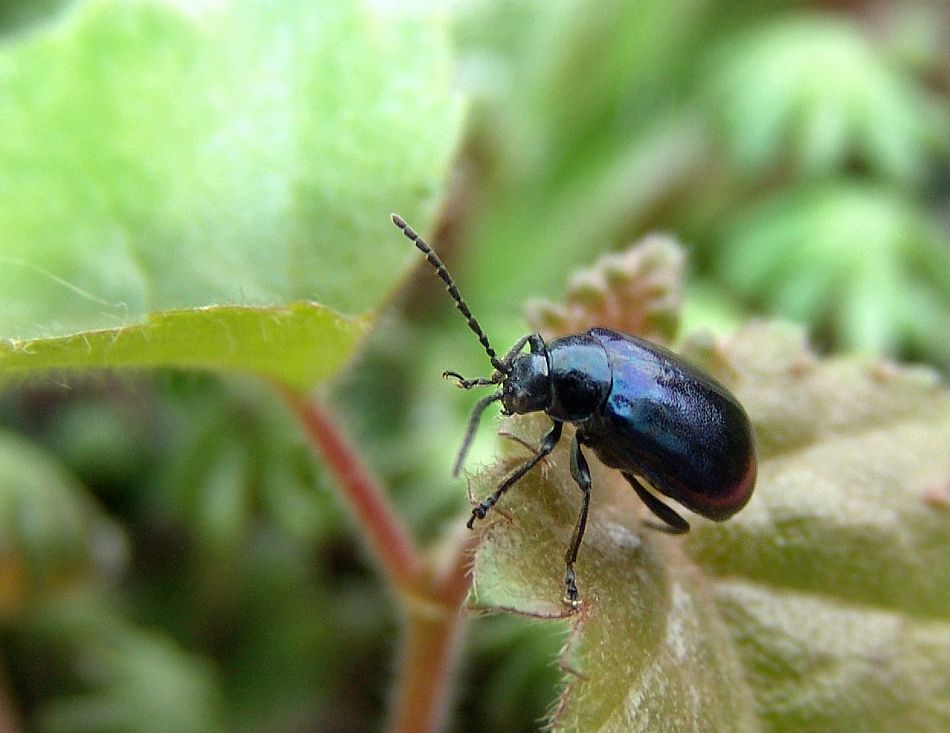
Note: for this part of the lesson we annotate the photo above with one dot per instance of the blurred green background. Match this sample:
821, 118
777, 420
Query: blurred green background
184, 544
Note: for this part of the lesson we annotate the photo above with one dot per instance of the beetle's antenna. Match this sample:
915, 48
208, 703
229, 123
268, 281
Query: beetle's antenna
440, 270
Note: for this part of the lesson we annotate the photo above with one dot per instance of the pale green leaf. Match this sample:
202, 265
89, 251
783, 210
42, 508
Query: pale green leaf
161, 158
299, 344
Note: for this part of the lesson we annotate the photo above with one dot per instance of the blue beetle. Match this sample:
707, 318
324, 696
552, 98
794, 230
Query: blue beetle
639, 407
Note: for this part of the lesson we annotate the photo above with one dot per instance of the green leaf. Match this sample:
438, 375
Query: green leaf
168, 169
814, 90
865, 260
134, 679
52, 534
823, 605
300, 344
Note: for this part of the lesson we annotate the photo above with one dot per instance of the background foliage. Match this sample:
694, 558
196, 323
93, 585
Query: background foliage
168, 536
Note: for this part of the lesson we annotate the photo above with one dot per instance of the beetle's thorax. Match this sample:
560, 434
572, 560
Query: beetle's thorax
580, 377
569, 379
527, 387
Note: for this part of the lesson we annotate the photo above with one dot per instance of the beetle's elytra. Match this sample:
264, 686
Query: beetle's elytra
639, 407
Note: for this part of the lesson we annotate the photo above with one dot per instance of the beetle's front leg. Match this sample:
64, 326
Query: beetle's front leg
547, 445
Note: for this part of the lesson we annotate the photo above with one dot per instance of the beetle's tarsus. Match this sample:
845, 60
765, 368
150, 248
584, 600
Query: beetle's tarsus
480, 511
665, 528
571, 597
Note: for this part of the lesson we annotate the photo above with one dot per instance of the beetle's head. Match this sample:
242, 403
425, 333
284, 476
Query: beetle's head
526, 387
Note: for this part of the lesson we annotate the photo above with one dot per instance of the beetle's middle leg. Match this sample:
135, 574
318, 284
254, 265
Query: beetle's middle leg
581, 473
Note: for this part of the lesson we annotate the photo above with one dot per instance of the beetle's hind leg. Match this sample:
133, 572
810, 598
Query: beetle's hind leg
675, 524
547, 445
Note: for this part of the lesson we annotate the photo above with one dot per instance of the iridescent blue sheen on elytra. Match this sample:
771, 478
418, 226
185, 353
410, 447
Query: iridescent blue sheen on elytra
672, 424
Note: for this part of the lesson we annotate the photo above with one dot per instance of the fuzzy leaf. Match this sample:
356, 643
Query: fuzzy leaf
823, 605
865, 258
169, 168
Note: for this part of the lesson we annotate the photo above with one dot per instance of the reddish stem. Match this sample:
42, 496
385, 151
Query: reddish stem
429, 599
426, 670
429, 648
